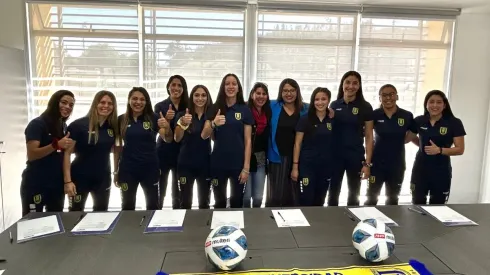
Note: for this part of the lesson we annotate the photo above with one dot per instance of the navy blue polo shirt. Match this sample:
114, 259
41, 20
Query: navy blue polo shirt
229, 144
139, 141
167, 152
389, 139
317, 142
91, 158
47, 171
442, 134
349, 126
194, 151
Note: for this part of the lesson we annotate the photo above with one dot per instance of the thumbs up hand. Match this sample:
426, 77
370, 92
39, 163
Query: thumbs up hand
432, 149
170, 113
219, 119
187, 118
162, 122
65, 142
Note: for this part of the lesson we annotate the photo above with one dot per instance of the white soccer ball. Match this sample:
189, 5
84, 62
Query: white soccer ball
226, 247
374, 240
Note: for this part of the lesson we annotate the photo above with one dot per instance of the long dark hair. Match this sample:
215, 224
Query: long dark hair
184, 99
267, 106
447, 112
147, 111
312, 117
359, 93
192, 106
221, 99
298, 103
52, 115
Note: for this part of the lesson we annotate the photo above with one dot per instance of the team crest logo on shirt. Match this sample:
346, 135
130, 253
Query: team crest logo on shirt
306, 181
37, 199
238, 116
401, 121
372, 179
214, 182
329, 126
183, 180
78, 198
146, 125
124, 187
443, 130
355, 110
110, 132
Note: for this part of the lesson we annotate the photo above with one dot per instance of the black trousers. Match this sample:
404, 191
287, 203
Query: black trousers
186, 179
130, 179
220, 182
352, 167
163, 182
391, 177
281, 191
314, 180
35, 199
98, 187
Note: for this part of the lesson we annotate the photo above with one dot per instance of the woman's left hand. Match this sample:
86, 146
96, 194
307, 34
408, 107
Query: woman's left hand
365, 172
243, 178
433, 149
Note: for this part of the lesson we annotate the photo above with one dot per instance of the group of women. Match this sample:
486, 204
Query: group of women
304, 148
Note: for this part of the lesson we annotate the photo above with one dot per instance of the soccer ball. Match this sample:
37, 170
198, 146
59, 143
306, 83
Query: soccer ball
374, 240
226, 247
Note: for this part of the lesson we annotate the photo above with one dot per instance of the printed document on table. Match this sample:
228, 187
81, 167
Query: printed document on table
447, 216
364, 213
166, 221
290, 218
96, 222
2, 271
233, 218
40, 227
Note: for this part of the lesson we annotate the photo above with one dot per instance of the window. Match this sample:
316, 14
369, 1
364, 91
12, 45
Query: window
201, 45
313, 49
413, 55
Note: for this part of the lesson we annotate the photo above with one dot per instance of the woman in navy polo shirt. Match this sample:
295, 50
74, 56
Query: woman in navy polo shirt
46, 138
138, 163
391, 125
230, 121
259, 104
313, 150
438, 130
194, 156
353, 127
286, 111
94, 136
168, 152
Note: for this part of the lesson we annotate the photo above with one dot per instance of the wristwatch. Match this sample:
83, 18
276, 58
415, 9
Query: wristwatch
184, 127
369, 165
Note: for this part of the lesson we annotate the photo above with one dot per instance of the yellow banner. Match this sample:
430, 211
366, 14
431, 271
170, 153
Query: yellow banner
400, 269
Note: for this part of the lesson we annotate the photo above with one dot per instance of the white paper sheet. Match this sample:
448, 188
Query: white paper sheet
364, 213
39, 227
96, 222
2, 271
234, 218
167, 218
290, 218
448, 216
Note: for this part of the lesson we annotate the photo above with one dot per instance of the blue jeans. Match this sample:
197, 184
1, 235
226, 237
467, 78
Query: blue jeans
254, 191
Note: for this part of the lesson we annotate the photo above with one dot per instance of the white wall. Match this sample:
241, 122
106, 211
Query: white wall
12, 21
469, 99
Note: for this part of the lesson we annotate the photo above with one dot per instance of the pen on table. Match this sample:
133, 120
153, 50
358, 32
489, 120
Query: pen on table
142, 220
279, 213
10, 235
350, 217
416, 211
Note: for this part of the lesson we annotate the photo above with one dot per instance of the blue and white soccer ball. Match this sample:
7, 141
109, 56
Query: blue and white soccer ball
374, 240
226, 247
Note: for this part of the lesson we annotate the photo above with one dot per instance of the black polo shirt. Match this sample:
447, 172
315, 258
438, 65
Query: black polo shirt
317, 145
194, 151
389, 139
349, 127
167, 152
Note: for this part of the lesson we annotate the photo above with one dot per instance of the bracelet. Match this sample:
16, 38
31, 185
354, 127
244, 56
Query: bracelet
245, 171
68, 182
295, 162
